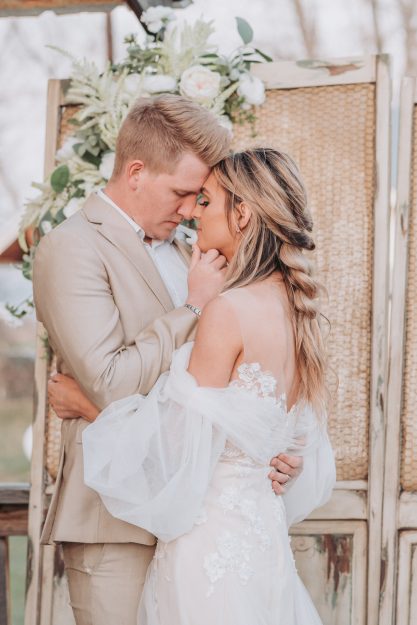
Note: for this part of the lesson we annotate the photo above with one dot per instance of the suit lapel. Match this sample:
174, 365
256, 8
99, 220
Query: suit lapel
117, 230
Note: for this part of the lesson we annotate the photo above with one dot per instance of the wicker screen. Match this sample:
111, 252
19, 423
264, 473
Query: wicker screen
409, 408
330, 132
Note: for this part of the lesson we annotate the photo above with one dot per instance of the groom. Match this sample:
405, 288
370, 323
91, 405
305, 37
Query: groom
113, 290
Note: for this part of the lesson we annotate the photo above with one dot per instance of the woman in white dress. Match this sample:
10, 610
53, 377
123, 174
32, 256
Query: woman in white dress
190, 461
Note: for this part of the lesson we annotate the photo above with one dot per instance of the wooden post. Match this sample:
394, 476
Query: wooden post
4, 581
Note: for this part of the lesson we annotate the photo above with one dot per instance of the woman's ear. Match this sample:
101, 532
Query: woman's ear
243, 215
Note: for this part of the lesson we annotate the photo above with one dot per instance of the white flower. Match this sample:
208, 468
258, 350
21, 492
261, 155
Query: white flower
106, 165
73, 206
189, 235
46, 226
200, 83
226, 122
67, 150
252, 89
157, 17
158, 83
7, 317
133, 84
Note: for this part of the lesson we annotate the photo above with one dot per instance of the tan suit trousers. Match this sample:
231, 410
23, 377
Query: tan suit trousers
106, 581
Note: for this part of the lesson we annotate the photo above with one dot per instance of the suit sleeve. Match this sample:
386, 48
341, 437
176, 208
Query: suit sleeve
74, 301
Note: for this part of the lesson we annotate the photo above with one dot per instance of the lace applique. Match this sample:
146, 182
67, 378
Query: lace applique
233, 554
252, 378
233, 551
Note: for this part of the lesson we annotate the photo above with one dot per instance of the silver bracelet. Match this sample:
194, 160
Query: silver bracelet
193, 309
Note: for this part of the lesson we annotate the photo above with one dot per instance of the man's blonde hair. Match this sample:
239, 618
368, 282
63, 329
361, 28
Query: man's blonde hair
159, 130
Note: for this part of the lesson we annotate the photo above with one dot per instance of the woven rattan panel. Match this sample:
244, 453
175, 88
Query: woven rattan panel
330, 133
409, 409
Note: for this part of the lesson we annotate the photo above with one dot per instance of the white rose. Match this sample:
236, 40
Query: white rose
67, 150
7, 317
133, 84
252, 89
156, 18
73, 206
158, 83
107, 165
200, 83
226, 122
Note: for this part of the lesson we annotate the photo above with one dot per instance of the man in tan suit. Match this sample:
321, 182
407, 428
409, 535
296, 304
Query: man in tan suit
110, 286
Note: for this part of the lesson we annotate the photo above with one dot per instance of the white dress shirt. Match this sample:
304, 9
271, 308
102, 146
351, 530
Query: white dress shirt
166, 257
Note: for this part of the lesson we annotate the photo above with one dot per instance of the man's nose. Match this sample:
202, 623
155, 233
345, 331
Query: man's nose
187, 207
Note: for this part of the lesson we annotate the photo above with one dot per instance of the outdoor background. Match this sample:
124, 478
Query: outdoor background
285, 29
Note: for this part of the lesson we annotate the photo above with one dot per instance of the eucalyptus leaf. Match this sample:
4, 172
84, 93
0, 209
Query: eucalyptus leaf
244, 29
59, 178
263, 55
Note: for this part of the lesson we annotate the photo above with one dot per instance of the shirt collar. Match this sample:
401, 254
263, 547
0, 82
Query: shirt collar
137, 228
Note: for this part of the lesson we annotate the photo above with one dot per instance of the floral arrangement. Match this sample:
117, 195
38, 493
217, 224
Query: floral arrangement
175, 59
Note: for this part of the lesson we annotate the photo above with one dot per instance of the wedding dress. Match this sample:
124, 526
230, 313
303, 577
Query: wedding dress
190, 464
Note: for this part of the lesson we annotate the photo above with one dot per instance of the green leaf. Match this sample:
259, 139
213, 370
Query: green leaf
59, 178
263, 55
244, 29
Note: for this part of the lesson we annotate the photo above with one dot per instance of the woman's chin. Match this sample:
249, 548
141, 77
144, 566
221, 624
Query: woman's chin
202, 244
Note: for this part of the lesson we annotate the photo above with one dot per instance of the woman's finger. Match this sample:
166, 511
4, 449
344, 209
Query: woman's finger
195, 257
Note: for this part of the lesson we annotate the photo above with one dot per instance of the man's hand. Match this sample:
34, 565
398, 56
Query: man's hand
206, 276
68, 400
286, 468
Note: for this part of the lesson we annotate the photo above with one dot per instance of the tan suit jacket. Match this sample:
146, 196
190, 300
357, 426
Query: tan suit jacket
113, 326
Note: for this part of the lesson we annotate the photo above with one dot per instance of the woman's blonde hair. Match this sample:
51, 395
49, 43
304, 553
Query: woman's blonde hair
276, 239
159, 130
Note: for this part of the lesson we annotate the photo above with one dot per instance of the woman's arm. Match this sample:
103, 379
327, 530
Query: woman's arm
217, 345
68, 400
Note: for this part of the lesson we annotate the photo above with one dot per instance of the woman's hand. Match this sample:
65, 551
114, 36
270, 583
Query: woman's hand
68, 400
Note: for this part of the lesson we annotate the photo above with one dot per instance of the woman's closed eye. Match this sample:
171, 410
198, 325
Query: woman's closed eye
202, 200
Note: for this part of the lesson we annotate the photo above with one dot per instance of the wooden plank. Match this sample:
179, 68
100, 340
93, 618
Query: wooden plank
13, 520
14, 494
396, 358
316, 72
4, 582
406, 610
344, 504
34, 7
407, 511
37, 494
351, 563
379, 336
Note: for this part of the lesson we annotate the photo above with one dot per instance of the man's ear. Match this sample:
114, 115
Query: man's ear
134, 172
243, 215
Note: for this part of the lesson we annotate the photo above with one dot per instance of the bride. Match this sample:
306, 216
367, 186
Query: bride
189, 462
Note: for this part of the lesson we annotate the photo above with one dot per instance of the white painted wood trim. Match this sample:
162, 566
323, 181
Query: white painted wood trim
359, 557
407, 511
316, 72
379, 335
408, 545
396, 357
344, 504
36, 572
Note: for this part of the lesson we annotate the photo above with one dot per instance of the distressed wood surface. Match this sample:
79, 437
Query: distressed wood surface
407, 511
37, 502
396, 359
406, 613
34, 7
4, 582
14, 494
316, 72
379, 336
331, 558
